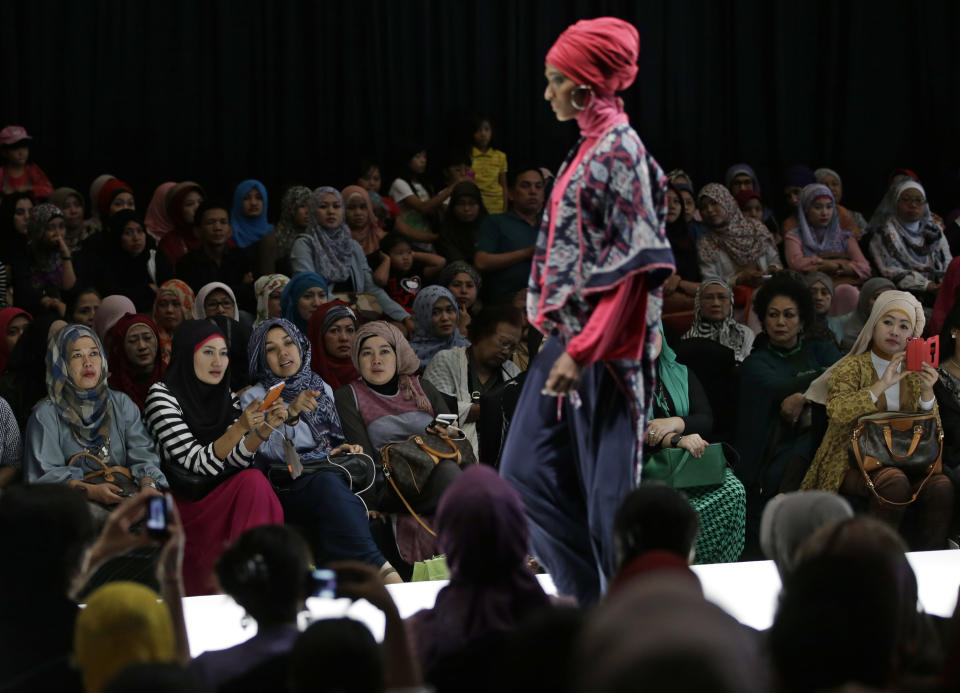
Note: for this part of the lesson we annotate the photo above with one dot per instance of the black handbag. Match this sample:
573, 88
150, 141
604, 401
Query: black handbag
107, 474
912, 442
190, 485
358, 469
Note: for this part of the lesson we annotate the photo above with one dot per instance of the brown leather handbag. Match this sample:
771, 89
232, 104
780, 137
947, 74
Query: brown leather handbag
407, 465
911, 442
107, 474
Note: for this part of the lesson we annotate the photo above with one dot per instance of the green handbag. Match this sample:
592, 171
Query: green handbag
431, 569
677, 468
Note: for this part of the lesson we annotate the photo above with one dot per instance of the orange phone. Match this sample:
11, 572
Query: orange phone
272, 395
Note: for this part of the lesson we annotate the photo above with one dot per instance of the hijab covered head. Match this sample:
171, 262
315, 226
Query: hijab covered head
323, 421
157, 220
903, 303
184, 295
673, 380
744, 196
40, 216
263, 287
122, 375
175, 197
207, 409
113, 234
407, 362
199, 312
483, 532
822, 173
741, 169
111, 309
817, 240
452, 269
789, 518
798, 176
108, 191
812, 278
337, 372
293, 292
248, 230
95, 187
369, 236
6, 317
742, 239
124, 623
60, 196
858, 318
425, 343
286, 230
601, 53
333, 248
728, 331
86, 412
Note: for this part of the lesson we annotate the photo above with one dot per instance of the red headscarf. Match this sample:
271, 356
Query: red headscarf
601, 53
6, 317
110, 190
336, 372
122, 376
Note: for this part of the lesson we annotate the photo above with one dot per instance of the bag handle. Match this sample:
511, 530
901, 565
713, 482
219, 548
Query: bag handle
389, 476
436, 453
888, 439
105, 471
869, 481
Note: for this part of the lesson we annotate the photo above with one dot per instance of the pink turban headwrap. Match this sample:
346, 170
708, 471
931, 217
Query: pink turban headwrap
601, 53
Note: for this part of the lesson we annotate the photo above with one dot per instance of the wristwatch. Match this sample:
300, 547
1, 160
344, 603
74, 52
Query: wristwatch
675, 440
151, 484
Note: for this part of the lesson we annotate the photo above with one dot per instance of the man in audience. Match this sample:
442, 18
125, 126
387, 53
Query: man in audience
216, 260
505, 241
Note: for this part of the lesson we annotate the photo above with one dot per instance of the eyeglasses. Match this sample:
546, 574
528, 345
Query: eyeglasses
222, 303
913, 200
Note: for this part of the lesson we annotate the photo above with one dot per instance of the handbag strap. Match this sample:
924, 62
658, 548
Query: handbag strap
888, 439
870, 485
389, 476
106, 472
455, 455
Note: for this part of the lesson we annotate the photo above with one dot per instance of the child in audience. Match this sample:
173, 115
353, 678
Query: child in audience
17, 175
405, 270
489, 166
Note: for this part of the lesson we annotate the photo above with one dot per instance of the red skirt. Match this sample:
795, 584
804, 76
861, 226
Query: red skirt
243, 501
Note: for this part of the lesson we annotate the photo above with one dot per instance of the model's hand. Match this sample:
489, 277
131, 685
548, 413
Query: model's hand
564, 377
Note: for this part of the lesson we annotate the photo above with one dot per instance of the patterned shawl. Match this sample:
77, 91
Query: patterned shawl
919, 250
45, 260
742, 239
87, 412
331, 248
263, 287
728, 331
286, 230
185, 297
425, 343
323, 421
815, 240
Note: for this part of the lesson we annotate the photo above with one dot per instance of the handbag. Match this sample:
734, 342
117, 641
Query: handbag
190, 485
877, 439
408, 464
358, 469
677, 468
368, 306
108, 474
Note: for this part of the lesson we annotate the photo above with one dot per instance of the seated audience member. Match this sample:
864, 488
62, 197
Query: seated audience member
750, 203
946, 297
461, 224
681, 287
736, 249
111, 309
14, 221
133, 347
789, 518
328, 249
216, 260
659, 633
741, 178
294, 219
824, 326
123, 265
248, 215
364, 227
323, 503
237, 336
174, 304
71, 203
13, 324
182, 202
302, 296
157, 219
691, 214
268, 290
483, 533
817, 243
266, 571
888, 203
199, 427
849, 220
774, 427
11, 445
331, 331
436, 315
680, 417
909, 247
875, 551
464, 282
83, 306
405, 270
114, 195
505, 242
947, 390
655, 528
853, 322
795, 178
410, 191
467, 373
870, 379
23, 381
215, 299
48, 272
84, 416
713, 319
17, 175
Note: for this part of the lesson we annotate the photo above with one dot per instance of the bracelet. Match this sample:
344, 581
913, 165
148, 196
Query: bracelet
257, 433
66, 258
292, 420
675, 441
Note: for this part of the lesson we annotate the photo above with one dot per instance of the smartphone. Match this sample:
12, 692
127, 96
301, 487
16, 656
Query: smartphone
272, 395
158, 516
445, 419
324, 584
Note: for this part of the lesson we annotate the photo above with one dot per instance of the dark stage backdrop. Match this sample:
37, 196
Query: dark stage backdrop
293, 91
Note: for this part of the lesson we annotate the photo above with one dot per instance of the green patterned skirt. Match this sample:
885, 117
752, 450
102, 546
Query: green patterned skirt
723, 518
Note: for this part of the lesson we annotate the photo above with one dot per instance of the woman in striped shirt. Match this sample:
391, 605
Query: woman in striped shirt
207, 444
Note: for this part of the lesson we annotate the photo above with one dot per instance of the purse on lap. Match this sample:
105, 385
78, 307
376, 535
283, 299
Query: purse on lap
911, 442
358, 469
677, 468
107, 474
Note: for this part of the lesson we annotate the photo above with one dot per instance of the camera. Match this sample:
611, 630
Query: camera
920, 350
158, 516
324, 584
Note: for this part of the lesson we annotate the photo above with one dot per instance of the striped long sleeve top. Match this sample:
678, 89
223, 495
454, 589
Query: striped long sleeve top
176, 442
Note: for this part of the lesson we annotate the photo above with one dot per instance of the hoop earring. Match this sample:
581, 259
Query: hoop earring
573, 101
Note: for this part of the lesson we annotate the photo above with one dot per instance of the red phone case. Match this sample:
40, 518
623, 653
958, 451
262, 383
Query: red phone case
920, 350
